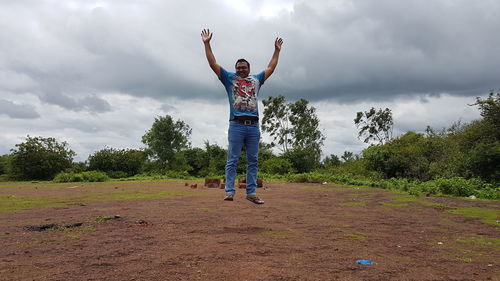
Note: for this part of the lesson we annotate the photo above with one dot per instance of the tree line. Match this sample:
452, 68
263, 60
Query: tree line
465, 150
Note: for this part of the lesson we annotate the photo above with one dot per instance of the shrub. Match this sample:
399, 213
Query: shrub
90, 176
128, 161
277, 165
116, 174
40, 158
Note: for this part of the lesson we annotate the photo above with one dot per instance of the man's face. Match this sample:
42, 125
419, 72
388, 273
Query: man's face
242, 69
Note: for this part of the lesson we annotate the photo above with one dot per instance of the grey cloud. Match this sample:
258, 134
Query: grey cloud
382, 49
342, 50
19, 111
168, 108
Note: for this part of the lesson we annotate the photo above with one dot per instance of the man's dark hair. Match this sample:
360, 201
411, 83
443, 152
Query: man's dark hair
242, 60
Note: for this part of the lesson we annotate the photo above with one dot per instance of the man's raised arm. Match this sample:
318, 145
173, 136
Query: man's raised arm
274, 59
206, 36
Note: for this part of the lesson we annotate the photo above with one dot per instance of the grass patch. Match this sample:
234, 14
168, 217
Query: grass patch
465, 259
72, 236
353, 204
13, 203
489, 216
277, 234
405, 199
354, 236
295, 259
481, 241
431, 204
204, 209
94, 192
394, 204
142, 195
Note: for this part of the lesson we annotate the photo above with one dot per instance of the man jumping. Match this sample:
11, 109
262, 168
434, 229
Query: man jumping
242, 91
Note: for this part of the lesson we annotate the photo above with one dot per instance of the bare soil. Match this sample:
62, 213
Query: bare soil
302, 232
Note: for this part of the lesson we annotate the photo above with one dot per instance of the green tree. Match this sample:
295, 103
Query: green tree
4, 164
215, 160
303, 160
490, 109
40, 158
292, 126
165, 139
332, 160
347, 156
375, 125
276, 122
277, 165
109, 160
196, 159
305, 127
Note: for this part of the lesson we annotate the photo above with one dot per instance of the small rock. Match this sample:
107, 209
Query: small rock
472, 197
490, 265
440, 243
325, 182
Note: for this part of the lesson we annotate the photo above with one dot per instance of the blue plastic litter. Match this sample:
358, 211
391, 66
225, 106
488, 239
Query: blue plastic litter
367, 262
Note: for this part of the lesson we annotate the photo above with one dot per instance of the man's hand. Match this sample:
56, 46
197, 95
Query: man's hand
206, 36
277, 43
274, 59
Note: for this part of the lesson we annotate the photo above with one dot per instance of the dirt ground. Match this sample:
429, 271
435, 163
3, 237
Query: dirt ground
302, 232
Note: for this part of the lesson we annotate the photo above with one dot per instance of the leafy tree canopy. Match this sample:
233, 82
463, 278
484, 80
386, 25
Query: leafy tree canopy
40, 158
375, 125
166, 138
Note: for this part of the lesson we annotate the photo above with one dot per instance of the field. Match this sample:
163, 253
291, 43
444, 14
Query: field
165, 230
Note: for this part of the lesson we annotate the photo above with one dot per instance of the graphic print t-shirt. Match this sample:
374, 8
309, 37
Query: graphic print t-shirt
242, 93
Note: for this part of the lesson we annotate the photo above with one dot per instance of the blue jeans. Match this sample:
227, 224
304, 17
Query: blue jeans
238, 135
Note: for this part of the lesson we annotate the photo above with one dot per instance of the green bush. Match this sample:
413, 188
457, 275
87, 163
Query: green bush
40, 158
90, 176
456, 186
128, 161
277, 165
117, 174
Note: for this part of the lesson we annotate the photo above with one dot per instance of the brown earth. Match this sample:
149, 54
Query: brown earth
302, 232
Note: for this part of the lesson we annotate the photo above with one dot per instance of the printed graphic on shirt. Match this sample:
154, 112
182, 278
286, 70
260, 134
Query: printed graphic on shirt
244, 93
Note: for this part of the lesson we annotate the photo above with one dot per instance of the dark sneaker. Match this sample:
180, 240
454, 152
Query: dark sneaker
255, 199
229, 197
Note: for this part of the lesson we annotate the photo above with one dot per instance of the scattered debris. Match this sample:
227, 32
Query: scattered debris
42, 227
440, 243
105, 218
73, 225
51, 226
194, 185
142, 222
365, 262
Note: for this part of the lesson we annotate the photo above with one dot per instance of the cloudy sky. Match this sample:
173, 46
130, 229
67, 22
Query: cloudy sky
97, 73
